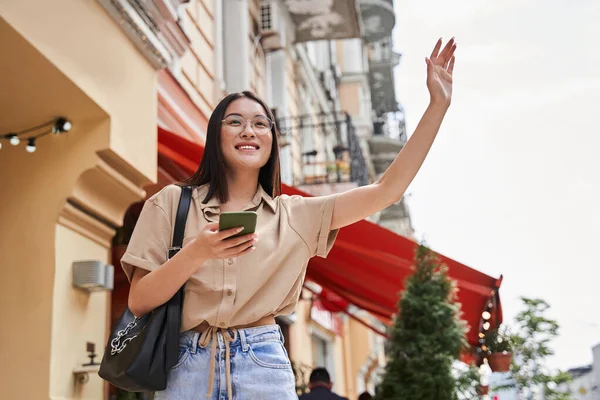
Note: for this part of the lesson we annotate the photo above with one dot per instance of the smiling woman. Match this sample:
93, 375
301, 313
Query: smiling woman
234, 286
240, 119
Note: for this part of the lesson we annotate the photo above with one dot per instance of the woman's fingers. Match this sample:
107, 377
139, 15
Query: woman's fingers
236, 251
233, 242
248, 250
222, 235
436, 49
446, 53
449, 56
451, 66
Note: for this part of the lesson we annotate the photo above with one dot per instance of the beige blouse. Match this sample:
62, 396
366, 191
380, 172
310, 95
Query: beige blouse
237, 291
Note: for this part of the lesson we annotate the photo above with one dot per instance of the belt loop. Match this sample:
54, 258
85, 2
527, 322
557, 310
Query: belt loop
243, 341
220, 340
281, 334
194, 343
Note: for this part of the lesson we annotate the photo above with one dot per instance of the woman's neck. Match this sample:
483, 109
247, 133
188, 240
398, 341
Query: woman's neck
241, 188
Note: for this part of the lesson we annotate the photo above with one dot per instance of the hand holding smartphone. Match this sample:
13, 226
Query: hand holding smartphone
245, 219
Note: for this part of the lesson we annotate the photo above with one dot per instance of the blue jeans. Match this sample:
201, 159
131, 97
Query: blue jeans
260, 368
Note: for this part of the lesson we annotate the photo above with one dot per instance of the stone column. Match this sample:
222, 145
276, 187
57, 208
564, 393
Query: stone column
236, 31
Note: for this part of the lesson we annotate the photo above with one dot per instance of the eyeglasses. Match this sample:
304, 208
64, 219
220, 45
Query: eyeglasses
236, 124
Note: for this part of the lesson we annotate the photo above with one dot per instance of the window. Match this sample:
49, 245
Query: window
323, 353
320, 352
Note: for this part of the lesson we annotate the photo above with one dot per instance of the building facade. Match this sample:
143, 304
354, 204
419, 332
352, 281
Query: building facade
585, 384
115, 69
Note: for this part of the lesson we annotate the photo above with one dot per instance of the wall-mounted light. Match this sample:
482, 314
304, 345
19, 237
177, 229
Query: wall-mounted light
81, 374
93, 275
55, 126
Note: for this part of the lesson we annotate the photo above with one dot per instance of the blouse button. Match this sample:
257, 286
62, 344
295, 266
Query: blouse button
229, 292
230, 261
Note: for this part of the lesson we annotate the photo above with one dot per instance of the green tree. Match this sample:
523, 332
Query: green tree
531, 348
427, 337
467, 382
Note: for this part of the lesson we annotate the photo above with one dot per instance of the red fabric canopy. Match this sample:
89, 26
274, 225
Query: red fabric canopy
368, 264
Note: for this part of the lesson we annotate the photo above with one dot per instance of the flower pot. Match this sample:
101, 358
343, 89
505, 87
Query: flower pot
500, 362
483, 390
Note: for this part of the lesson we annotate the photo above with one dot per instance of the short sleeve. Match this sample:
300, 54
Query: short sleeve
149, 243
311, 218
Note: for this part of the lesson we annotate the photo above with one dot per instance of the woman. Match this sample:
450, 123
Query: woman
230, 346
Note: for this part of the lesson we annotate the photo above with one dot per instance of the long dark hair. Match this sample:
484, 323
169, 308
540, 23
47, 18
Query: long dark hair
212, 167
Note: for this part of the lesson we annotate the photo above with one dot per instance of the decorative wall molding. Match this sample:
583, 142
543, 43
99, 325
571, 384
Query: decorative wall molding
86, 225
153, 26
104, 194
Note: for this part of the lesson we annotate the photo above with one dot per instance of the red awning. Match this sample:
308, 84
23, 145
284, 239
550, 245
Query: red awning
368, 264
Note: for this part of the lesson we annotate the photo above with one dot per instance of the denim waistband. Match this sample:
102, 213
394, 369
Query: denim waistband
245, 336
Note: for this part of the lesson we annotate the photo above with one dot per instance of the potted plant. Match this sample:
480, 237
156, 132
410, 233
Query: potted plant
482, 390
499, 346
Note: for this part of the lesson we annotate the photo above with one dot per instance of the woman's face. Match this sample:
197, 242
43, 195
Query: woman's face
246, 136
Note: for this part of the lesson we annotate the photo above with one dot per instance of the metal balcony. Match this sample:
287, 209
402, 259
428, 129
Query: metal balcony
378, 19
339, 159
389, 137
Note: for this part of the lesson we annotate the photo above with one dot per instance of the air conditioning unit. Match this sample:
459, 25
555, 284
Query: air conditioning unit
93, 276
271, 38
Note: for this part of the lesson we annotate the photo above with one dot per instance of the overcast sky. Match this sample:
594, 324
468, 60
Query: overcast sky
512, 184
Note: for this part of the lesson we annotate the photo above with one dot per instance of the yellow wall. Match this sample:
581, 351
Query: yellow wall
350, 97
300, 339
78, 317
294, 110
99, 80
361, 349
339, 379
198, 65
257, 59
101, 61
301, 345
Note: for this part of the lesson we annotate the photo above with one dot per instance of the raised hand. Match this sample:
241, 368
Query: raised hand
439, 72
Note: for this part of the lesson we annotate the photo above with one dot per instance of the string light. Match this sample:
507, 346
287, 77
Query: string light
485, 326
13, 139
61, 125
30, 145
56, 126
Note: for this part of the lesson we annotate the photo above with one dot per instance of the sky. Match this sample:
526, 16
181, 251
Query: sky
512, 183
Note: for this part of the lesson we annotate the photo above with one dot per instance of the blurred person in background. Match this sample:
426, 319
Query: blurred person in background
320, 386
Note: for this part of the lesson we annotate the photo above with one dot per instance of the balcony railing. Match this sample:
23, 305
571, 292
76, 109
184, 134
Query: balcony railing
378, 18
332, 152
391, 125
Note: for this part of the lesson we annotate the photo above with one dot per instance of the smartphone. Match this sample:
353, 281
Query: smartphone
247, 219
